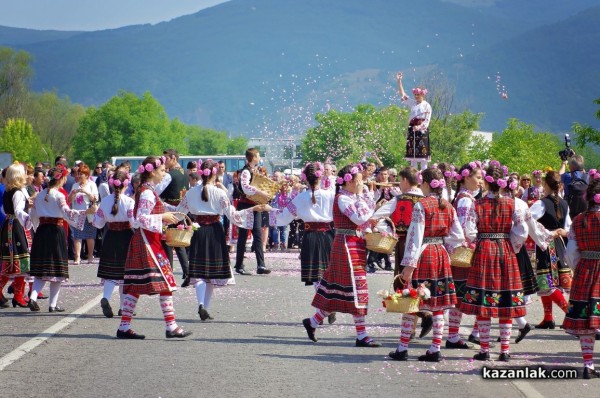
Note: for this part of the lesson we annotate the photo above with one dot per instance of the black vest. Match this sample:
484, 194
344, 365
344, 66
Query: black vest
550, 220
7, 201
239, 187
173, 190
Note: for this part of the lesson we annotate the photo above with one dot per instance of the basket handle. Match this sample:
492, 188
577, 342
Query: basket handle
187, 221
402, 281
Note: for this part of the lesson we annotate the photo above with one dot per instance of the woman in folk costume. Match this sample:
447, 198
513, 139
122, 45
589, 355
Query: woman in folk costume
469, 182
553, 274
536, 191
147, 269
209, 253
542, 238
399, 209
583, 251
49, 257
116, 211
494, 288
315, 207
343, 286
417, 139
434, 229
15, 238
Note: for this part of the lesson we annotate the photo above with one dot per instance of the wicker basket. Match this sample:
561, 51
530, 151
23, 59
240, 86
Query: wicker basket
403, 305
381, 244
399, 304
461, 257
266, 185
180, 237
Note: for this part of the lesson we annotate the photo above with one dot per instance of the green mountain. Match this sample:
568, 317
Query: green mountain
265, 67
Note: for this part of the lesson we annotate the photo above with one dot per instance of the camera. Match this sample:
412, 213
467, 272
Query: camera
567, 152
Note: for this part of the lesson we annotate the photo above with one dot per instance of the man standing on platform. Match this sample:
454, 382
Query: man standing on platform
169, 190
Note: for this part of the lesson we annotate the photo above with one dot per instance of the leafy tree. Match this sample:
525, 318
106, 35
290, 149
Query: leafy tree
15, 74
127, 125
55, 119
587, 134
18, 137
237, 146
452, 140
523, 150
346, 137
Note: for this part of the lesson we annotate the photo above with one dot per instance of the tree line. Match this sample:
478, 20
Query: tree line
39, 126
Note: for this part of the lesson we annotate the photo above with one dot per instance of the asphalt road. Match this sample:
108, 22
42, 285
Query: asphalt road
256, 346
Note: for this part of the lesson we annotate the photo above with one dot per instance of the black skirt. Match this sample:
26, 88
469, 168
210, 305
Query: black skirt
18, 263
417, 144
209, 254
314, 255
114, 254
528, 276
49, 257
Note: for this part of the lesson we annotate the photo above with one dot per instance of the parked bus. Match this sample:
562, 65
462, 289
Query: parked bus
232, 162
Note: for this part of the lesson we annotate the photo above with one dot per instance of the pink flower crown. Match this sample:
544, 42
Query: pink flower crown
62, 172
537, 173
318, 172
441, 183
117, 183
594, 174
501, 182
149, 167
419, 91
208, 171
348, 176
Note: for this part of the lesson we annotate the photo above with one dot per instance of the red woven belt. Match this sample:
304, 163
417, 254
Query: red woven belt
317, 226
119, 226
51, 220
207, 220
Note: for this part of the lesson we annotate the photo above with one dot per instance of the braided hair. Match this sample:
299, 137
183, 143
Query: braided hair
552, 179
208, 170
496, 172
435, 174
310, 171
120, 175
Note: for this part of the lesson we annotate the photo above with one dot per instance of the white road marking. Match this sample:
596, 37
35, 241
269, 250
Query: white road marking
28, 346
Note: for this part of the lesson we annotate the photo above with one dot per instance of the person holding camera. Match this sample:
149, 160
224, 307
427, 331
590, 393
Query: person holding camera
574, 182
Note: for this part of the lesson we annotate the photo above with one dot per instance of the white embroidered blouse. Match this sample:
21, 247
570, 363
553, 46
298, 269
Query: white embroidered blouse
55, 207
218, 204
124, 211
301, 207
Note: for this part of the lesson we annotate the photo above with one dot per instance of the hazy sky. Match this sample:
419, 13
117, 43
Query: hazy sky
94, 14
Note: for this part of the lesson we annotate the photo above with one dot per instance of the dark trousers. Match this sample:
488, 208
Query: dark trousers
181, 255
257, 241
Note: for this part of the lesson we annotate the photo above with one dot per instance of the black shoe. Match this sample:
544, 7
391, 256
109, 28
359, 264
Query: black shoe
504, 357
204, 315
129, 334
10, 289
4, 302
474, 340
55, 309
459, 345
399, 355
331, 318
263, 271
482, 356
388, 268
523, 332
379, 264
426, 325
597, 336
590, 373
367, 342
546, 325
242, 271
106, 308
371, 269
33, 306
186, 282
178, 333
498, 339
310, 331
431, 357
